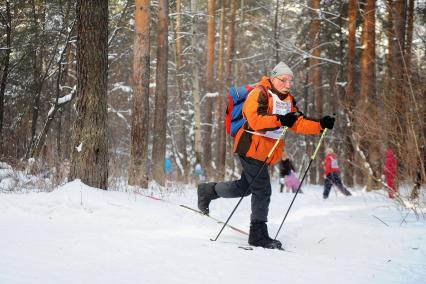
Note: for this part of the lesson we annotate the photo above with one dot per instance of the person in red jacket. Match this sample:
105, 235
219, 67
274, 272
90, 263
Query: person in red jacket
390, 171
269, 108
332, 174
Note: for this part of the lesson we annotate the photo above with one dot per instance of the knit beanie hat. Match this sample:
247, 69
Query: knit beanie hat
329, 151
281, 69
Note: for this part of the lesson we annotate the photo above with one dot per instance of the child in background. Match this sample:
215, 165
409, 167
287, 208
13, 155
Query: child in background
288, 176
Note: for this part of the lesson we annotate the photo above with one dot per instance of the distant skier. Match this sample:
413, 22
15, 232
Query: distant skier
332, 174
288, 176
168, 169
390, 172
199, 173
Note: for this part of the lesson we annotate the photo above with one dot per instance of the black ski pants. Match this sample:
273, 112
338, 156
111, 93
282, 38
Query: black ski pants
334, 178
260, 190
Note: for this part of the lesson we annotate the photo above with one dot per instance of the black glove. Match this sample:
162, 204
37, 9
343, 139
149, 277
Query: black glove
327, 122
289, 119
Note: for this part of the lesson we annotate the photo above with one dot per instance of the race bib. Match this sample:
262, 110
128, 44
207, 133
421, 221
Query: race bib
334, 164
278, 107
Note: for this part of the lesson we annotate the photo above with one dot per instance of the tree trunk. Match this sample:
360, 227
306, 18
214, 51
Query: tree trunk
6, 60
180, 106
229, 79
37, 70
314, 38
349, 98
276, 33
409, 33
367, 88
391, 47
231, 44
196, 87
399, 46
366, 103
221, 102
160, 116
138, 171
211, 24
207, 102
89, 160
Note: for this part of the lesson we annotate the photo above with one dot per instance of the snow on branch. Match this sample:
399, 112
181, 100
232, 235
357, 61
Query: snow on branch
209, 95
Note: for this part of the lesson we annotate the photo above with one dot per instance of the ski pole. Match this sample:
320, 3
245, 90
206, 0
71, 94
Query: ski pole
304, 175
257, 174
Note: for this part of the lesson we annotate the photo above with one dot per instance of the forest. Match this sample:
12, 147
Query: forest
108, 91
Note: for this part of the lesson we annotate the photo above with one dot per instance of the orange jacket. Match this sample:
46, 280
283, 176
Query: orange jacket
258, 112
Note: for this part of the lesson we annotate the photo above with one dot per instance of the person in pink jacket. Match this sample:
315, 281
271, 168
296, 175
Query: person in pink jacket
332, 174
390, 171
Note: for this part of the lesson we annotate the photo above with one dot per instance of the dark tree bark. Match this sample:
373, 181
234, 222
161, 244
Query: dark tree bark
160, 122
7, 21
89, 160
37, 70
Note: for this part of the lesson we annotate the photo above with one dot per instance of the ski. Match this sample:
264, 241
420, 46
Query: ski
194, 210
213, 218
250, 247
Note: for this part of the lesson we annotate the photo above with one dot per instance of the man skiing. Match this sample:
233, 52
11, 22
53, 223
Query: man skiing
268, 108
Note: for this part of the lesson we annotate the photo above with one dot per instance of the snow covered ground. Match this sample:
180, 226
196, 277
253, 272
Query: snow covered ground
78, 234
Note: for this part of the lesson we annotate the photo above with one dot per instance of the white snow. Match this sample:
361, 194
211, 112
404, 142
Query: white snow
78, 234
79, 147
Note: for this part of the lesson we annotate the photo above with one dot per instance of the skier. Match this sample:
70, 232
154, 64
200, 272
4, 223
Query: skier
288, 175
199, 173
268, 108
332, 174
168, 169
390, 171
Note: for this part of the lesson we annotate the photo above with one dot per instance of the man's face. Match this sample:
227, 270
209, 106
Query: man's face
282, 83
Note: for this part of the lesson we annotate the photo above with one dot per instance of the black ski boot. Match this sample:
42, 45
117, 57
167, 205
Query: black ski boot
206, 194
259, 236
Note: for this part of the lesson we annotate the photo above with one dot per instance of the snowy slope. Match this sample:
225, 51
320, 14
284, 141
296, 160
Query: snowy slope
78, 234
